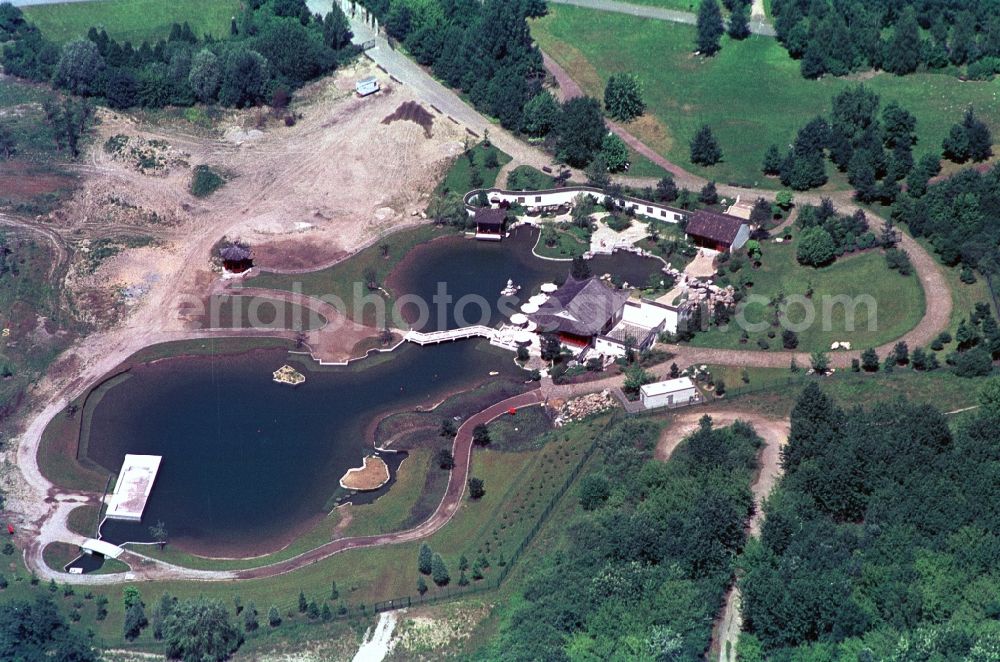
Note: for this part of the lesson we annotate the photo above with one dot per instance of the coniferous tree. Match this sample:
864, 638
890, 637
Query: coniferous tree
739, 21
869, 360
135, 621
709, 28
962, 43
424, 559
772, 161
904, 52
439, 572
273, 617
708, 195
666, 189
580, 131
978, 136
705, 150
250, 622
303, 604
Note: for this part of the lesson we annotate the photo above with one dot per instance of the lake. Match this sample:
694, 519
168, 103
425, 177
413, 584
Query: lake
478, 270
249, 464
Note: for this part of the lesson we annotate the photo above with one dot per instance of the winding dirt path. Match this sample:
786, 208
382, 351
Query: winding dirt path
775, 433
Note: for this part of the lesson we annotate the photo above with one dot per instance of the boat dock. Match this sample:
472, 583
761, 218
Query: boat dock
135, 482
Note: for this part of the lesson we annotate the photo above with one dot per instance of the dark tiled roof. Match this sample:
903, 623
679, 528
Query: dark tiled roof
489, 216
580, 307
235, 253
714, 226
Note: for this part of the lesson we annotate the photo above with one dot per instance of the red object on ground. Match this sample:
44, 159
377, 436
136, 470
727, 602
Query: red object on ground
511, 411
10, 529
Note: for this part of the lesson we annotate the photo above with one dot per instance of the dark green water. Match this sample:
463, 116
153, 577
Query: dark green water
248, 463
478, 270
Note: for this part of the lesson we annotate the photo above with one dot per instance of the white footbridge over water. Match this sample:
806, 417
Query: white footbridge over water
502, 337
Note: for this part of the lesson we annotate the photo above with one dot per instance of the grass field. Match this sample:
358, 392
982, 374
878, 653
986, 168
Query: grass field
460, 177
132, 20
751, 94
898, 302
773, 391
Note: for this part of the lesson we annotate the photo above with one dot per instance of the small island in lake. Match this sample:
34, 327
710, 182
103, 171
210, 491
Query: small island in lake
286, 374
372, 475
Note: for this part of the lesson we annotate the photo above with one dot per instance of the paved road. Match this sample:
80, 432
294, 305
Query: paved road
758, 25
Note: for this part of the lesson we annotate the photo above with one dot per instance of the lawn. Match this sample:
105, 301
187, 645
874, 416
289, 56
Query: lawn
132, 20
462, 176
773, 391
570, 241
897, 302
751, 94
526, 178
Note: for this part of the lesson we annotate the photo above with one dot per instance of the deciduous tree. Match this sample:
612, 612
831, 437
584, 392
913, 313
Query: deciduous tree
623, 97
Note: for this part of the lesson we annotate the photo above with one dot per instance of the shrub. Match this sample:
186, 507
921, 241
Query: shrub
619, 223
789, 339
869, 360
477, 489
593, 491
974, 363
439, 572
815, 247
445, 459
898, 260
205, 181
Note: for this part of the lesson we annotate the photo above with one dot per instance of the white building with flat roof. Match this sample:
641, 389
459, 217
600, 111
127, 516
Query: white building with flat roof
669, 393
135, 482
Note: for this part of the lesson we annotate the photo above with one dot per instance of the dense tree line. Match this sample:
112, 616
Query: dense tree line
273, 46
880, 541
899, 36
482, 48
827, 234
958, 215
645, 561
37, 631
871, 143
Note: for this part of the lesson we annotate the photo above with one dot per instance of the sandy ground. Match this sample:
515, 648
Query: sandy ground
372, 475
775, 433
377, 643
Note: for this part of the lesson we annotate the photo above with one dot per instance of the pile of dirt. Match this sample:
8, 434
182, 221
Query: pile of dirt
411, 111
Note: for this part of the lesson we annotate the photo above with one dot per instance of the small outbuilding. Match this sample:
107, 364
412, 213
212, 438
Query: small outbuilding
489, 223
669, 393
367, 86
718, 232
236, 258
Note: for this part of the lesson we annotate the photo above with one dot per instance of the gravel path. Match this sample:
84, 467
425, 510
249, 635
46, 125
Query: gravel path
758, 24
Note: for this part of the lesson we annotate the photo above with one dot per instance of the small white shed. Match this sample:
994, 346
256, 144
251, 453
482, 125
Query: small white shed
673, 392
366, 86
